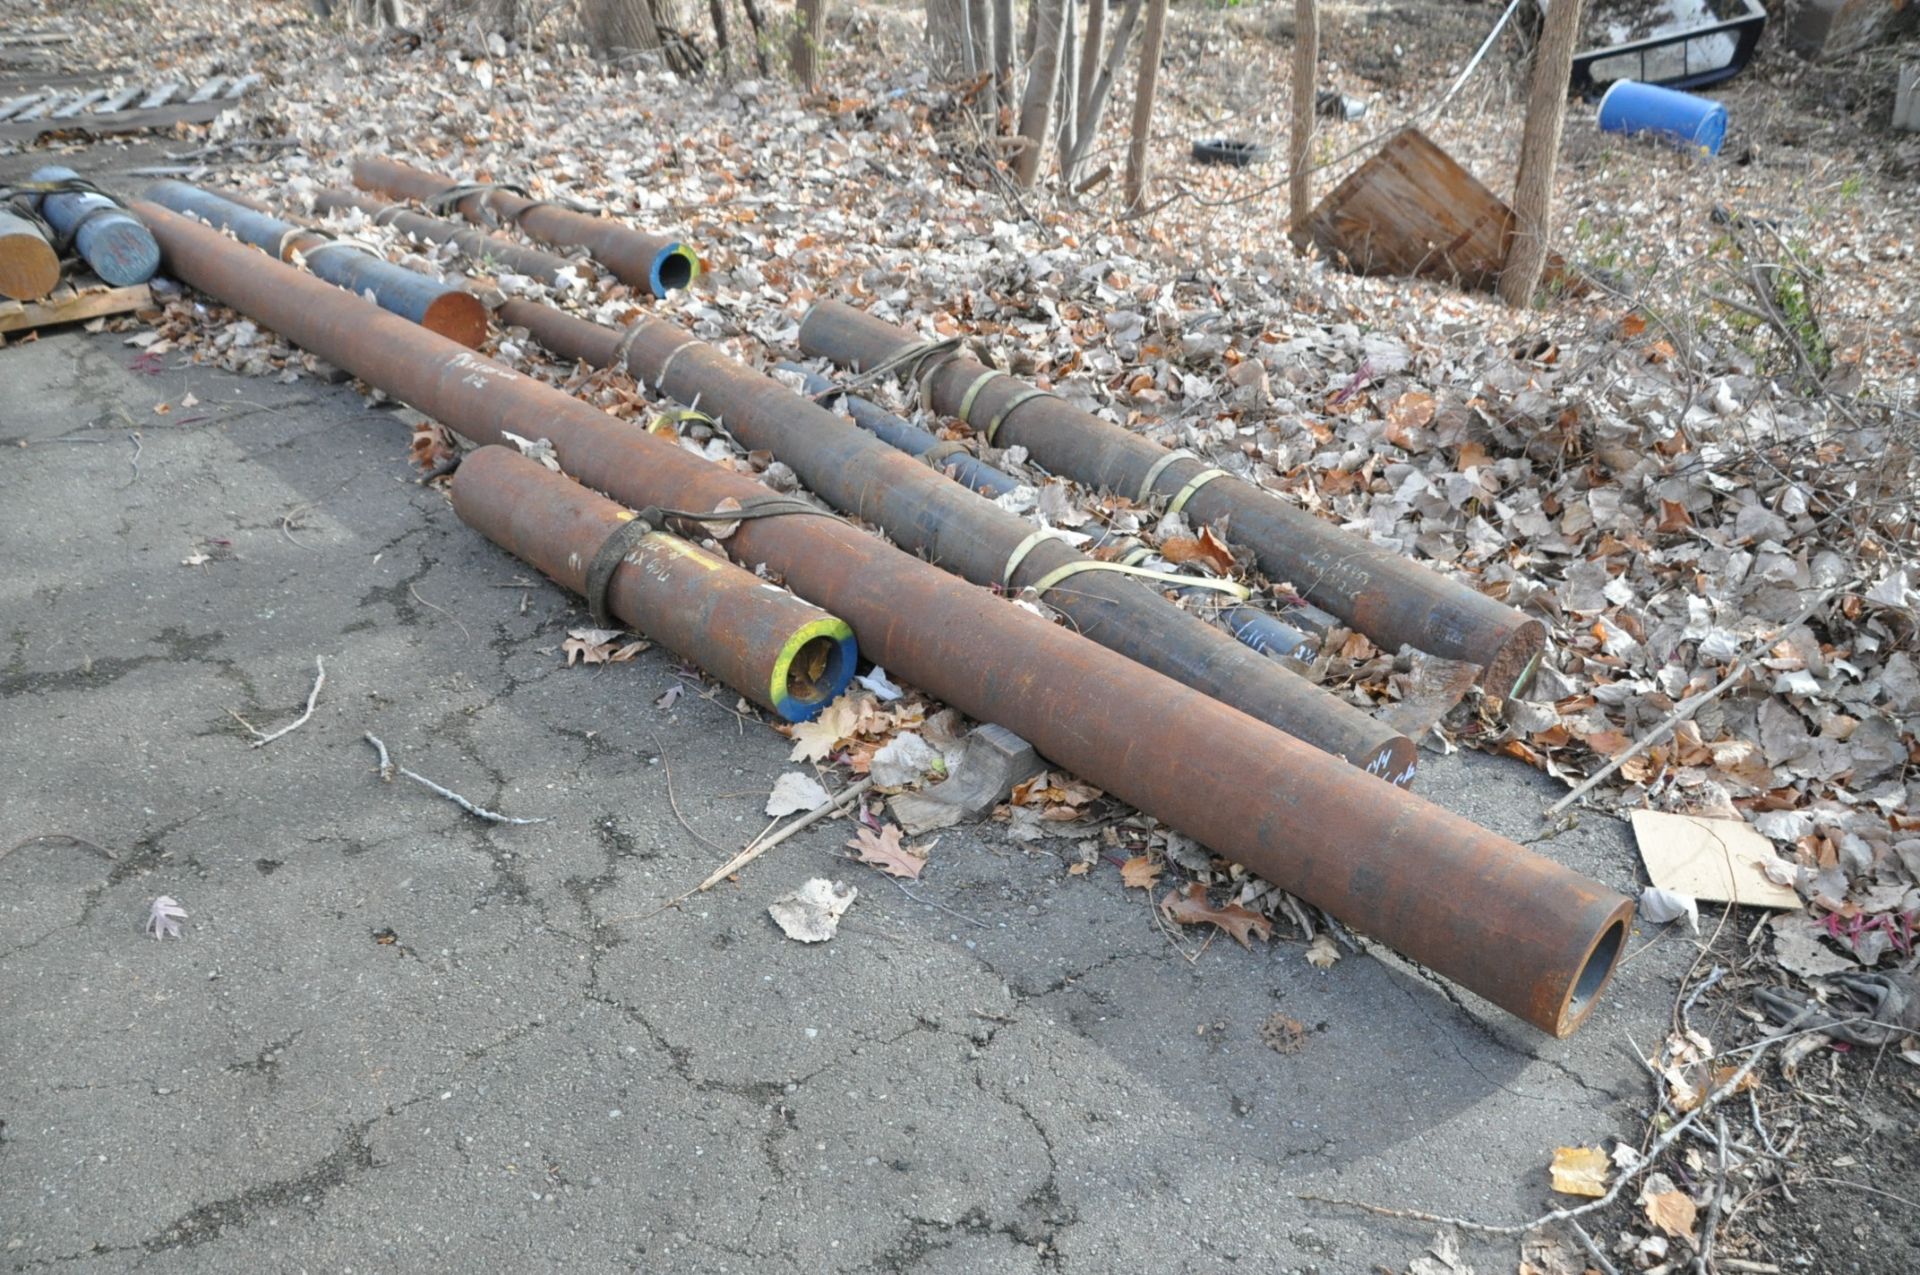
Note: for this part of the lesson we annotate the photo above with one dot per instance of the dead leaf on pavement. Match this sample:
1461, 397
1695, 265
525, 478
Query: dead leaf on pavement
598, 646
1669, 1208
1323, 952
1190, 907
814, 740
883, 850
1580, 1171
1140, 872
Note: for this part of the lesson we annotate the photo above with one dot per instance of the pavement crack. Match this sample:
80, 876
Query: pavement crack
207, 1222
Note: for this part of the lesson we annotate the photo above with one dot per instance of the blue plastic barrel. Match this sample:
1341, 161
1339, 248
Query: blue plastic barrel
1632, 107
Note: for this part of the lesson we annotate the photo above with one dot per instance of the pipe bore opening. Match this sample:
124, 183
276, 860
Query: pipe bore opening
817, 665
1593, 975
675, 268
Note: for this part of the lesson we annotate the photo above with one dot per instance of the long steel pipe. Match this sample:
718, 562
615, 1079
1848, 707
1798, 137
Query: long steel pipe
1263, 632
780, 652
108, 238
1389, 598
1531, 936
447, 311
969, 535
29, 268
477, 245
656, 262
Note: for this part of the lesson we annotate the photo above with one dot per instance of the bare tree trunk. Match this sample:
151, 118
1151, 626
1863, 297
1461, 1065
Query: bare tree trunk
1306, 76
1136, 187
1043, 80
1539, 154
759, 27
722, 50
1089, 59
634, 26
808, 37
1066, 93
1004, 53
980, 37
1096, 105
948, 38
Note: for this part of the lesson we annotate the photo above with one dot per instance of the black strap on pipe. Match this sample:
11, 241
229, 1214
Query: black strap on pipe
606, 559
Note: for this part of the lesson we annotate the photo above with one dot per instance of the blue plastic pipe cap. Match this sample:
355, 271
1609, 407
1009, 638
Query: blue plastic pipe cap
1632, 107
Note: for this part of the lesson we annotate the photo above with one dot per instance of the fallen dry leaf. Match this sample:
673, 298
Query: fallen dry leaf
1190, 907
1671, 1210
1206, 549
598, 646
883, 850
1140, 873
1580, 1171
814, 740
1323, 953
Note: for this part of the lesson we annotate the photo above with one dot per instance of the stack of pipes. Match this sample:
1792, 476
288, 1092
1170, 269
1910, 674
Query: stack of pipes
1531, 936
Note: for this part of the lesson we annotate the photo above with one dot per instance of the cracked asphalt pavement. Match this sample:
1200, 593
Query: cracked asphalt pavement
396, 1038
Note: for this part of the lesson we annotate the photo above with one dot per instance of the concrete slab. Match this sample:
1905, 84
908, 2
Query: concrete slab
394, 1037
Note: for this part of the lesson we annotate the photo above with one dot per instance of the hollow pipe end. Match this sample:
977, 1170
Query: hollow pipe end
1511, 670
812, 669
1592, 974
676, 267
458, 316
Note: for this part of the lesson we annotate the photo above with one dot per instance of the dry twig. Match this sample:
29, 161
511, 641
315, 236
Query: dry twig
263, 738
477, 811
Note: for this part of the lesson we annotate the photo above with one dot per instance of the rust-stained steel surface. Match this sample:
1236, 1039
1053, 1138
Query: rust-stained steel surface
1391, 599
1533, 937
780, 652
658, 263
925, 513
450, 312
475, 244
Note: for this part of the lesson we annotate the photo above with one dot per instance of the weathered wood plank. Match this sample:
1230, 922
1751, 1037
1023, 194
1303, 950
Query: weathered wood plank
14, 105
46, 104
242, 84
119, 122
161, 95
71, 306
79, 104
210, 90
118, 101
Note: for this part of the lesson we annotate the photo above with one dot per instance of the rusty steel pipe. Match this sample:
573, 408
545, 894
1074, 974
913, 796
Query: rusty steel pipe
925, 513
1389, 598
448, 311
779, 652
1531, 936
476, 245
658, 263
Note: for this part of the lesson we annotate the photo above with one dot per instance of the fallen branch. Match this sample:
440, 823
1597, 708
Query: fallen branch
477, 811
757, 847
1687, 708
313, 697
1673, 1134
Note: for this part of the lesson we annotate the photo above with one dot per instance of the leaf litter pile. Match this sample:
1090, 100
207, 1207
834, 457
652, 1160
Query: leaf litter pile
1715, 519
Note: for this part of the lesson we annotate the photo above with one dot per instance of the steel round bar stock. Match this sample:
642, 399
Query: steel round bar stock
475, 244
658, 263
1259, 630
447, 311
778, 651
29, 267
925, 513
108, 238
1531, 936
1392, 600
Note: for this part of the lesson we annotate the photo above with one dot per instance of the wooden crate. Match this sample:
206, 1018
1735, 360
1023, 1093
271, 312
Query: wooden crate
1412, 211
